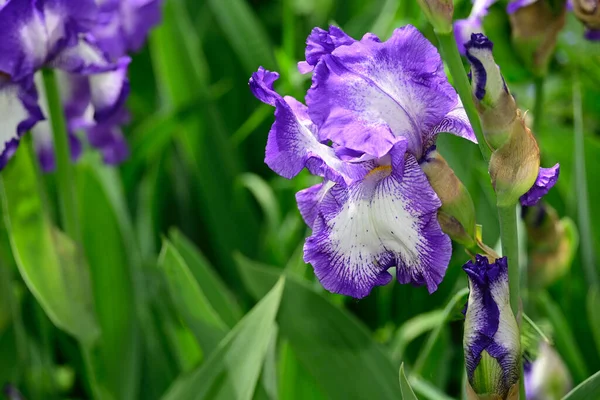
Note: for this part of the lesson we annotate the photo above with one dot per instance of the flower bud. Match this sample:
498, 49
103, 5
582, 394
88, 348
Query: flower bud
514, 167
551, 244
546, 377
491, 338
588, 12
439, 13
495, 105
535, 27
457, 214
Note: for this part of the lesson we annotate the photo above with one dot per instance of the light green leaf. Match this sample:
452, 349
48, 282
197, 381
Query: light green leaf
190, 302
110, 259
211, 285
295, 382
49, 262
232, 371
587, 390
407, 392
326, 339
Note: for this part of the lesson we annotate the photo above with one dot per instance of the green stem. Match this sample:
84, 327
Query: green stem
583, 207
510, 249
538, 106
62, 152
463, 87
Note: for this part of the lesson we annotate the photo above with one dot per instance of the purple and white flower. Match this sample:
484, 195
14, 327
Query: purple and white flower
54, 34
464, 28
381, 105
491, 337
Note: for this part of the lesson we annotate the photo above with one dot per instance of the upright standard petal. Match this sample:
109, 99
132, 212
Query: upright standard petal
491, 337
545, 181
464, 28
387, 219
292, 143
20, 112
320, 43
367, 95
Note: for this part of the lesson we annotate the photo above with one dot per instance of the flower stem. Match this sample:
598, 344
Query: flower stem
65, 179
463, 87
583, 207
538, 106
510, 249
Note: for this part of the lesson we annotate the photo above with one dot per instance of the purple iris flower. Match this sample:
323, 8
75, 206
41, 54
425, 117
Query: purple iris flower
491, 338
381, 105
464, 28
547, 376
52, 34
123, 25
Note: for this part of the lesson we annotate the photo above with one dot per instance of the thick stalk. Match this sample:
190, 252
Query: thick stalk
463, 87
62, 155
506, 215
583, 207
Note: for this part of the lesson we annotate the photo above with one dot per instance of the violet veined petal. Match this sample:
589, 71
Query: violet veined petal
545, 181
107, 138
20, 112
455, 122
292, 143
387, 219
367, 95
308, 200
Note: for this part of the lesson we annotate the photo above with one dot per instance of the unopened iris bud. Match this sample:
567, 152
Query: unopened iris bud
514, 167
457, 214
551, 244
546, 377
535, 27
439, 13
491, 338
495, 105
588, 12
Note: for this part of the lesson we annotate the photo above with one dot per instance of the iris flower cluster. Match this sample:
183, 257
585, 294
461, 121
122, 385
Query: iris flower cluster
86, 43
387, 198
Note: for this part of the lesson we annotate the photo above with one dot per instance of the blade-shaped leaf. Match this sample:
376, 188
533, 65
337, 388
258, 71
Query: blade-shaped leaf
326, 339
110, 258
232, 371
190, 301
587, 390
216, 292
407, 392
49, 262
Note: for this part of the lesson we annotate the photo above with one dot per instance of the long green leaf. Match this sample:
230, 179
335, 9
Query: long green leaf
593, 305
110, 259
49, 262
587, 390
407, 392
326, 339
190, 302
232, 371
215, 290
245, 33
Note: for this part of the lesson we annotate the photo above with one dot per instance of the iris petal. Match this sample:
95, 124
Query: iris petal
366, 95
387, 219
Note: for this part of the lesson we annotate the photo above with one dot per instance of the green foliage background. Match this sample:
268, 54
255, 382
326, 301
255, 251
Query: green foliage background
180, 293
